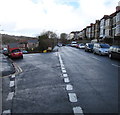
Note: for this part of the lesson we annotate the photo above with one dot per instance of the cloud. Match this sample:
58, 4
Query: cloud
31, 17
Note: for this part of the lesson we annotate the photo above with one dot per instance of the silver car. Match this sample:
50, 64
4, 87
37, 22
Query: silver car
101, 49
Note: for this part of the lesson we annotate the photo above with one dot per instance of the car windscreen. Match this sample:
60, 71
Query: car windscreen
90, 45
16, 50
81, 44
105, 46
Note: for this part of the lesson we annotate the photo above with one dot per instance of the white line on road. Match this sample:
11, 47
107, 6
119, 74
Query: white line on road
10, 96
96, 58
13, 76
72, 97
6, 112
115, 65
65, 75
69, 87
56, 53
12, 83
63, 71
63, 68
62, 65
78, 111
66, 80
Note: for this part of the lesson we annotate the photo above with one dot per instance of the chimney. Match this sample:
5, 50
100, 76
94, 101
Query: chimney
118, 7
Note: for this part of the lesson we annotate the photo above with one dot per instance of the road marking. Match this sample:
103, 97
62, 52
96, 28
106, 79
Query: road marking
63, 68
12, 83
69, 87
115, 65
6, 112
56, 53
96, 58
62, 65
65, 75
72, 97
78, 111
66, 80
10, 96
13, 76
63, 71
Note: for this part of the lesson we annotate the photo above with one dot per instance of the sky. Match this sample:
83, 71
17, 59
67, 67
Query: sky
32, 17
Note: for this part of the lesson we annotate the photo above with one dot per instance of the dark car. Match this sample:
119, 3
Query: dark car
114, 52
89, 47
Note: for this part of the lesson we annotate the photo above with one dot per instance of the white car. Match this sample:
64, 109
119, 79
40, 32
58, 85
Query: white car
101, 49
81, 46
73, 43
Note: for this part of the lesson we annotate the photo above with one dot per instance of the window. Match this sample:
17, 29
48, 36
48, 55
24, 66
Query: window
16, 50
104, 46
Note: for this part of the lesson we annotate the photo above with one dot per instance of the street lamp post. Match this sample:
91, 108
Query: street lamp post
0, 75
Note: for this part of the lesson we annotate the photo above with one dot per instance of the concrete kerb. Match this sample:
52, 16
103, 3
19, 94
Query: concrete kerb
17, 69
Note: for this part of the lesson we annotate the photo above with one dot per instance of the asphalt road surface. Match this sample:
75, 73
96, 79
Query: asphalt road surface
87, 84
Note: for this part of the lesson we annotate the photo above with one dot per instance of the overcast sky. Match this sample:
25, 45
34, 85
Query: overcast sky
31, 17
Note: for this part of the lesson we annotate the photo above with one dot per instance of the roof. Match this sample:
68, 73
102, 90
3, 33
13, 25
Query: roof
13, 45
32, 41
105, 17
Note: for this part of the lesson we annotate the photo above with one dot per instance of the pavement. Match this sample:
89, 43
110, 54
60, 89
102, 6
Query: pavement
6, 68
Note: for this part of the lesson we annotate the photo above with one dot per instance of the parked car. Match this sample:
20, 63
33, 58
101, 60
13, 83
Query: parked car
5, 52
24, 51
15, 53
114, 52
89, 47
101, 49
81, 46
73, 43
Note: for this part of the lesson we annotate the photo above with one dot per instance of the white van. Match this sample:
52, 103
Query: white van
73, 43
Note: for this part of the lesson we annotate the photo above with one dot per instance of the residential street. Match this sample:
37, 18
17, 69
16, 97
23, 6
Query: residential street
43, 88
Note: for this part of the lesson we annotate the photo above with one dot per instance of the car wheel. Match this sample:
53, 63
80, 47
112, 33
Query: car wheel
94, 52
21, 57
110, 56
100, 53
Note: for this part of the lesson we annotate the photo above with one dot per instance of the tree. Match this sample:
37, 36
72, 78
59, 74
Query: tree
47, 39
63, 38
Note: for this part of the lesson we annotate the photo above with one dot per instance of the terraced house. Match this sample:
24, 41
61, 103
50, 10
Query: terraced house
107, 27
97, 29
118, 20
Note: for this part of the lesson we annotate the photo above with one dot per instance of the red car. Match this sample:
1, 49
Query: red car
15, 53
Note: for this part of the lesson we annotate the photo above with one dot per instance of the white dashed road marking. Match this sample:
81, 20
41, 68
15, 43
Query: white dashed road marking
115, 65
10, 96
12, 83
63, 71
63, 68
66, 80
69, 87
72, 97
13, 76
77, 111
6, 112
65, 75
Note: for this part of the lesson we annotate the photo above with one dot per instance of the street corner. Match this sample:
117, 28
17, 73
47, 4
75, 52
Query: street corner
7, 67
